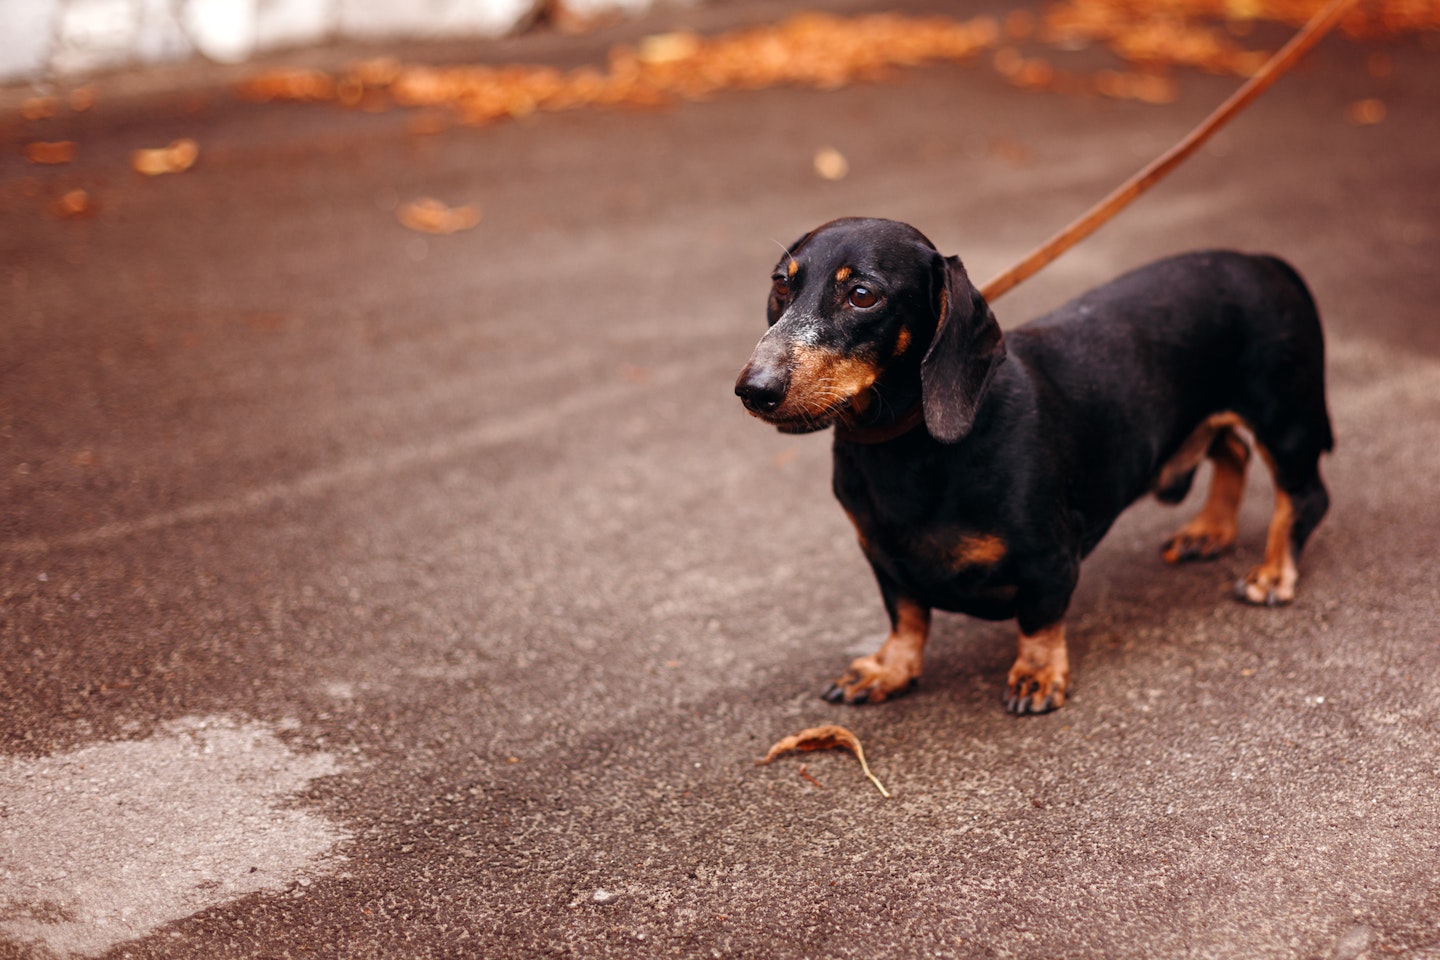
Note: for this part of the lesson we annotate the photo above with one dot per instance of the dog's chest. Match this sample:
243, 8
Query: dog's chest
930, 542
925, 550
939, 553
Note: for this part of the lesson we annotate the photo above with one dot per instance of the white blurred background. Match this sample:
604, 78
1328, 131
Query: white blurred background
57, 38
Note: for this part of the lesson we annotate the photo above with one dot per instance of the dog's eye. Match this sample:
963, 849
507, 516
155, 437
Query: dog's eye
782, 287
863, 297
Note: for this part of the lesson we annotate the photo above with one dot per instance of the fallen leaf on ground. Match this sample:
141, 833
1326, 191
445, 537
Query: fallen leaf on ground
73, 204
39, 108
288, 84
831, 164
1366, 113
669, 47
178, 157
828, 737
50, 151
428, 215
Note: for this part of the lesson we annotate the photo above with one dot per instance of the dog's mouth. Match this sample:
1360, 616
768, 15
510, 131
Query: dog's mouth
797, 417
808, 390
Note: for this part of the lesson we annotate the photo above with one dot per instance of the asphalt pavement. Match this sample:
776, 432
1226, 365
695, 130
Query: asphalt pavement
373, 593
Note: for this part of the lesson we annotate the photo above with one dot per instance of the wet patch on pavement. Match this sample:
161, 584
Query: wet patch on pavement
109, 842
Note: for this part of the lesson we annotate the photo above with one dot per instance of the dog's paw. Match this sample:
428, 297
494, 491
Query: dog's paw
1198, 540
1268, 585
870, 681
1035, 691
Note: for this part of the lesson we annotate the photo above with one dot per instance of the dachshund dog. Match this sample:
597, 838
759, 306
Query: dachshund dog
980, 468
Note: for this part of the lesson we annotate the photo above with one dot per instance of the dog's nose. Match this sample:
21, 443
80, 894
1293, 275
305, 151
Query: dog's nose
761, 389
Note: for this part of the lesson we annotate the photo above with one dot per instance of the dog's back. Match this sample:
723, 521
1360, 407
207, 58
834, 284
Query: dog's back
1143, 360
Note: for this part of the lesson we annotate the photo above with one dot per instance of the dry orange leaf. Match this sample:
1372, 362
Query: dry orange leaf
428, 215
50, 152
73, 204
669, 47
39, 108
176, 158
289, 84
831, 164
1366, 113
828, 737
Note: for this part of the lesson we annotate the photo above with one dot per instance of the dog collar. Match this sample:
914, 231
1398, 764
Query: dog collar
898, 427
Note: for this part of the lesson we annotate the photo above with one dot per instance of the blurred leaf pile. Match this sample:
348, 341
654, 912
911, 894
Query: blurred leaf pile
1149, 38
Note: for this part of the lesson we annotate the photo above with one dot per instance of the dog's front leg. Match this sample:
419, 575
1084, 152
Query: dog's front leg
1041, 674
895, 666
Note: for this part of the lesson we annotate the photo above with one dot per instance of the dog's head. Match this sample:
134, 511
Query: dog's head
867, 319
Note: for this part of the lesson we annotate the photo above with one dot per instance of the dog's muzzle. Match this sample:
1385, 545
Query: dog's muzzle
765, 381
762, 387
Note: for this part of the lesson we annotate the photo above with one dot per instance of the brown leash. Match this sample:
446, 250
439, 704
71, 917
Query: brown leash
1284, 58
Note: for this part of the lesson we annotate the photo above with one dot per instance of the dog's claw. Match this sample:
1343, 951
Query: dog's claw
843, 691
1188, 547
1021, 701
837, 694
1026, 706
1273, 597
1174, 551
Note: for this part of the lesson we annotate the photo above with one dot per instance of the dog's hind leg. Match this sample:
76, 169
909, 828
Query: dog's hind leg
1299, 506
1213, 529
1284, 404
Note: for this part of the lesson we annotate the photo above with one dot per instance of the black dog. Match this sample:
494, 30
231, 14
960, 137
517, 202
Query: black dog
979, 469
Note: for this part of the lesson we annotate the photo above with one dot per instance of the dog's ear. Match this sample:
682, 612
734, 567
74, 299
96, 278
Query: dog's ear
964, 353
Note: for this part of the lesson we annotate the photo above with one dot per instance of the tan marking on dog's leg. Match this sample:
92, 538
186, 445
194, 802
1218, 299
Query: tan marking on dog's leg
1273, 581
1213, 529
1195, 447
1041, 674
860, 536
892, 668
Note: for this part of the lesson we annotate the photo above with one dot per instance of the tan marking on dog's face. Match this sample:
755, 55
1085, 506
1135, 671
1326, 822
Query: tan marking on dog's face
843, 274
824, 383
792, 268
977, 550
902, 341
